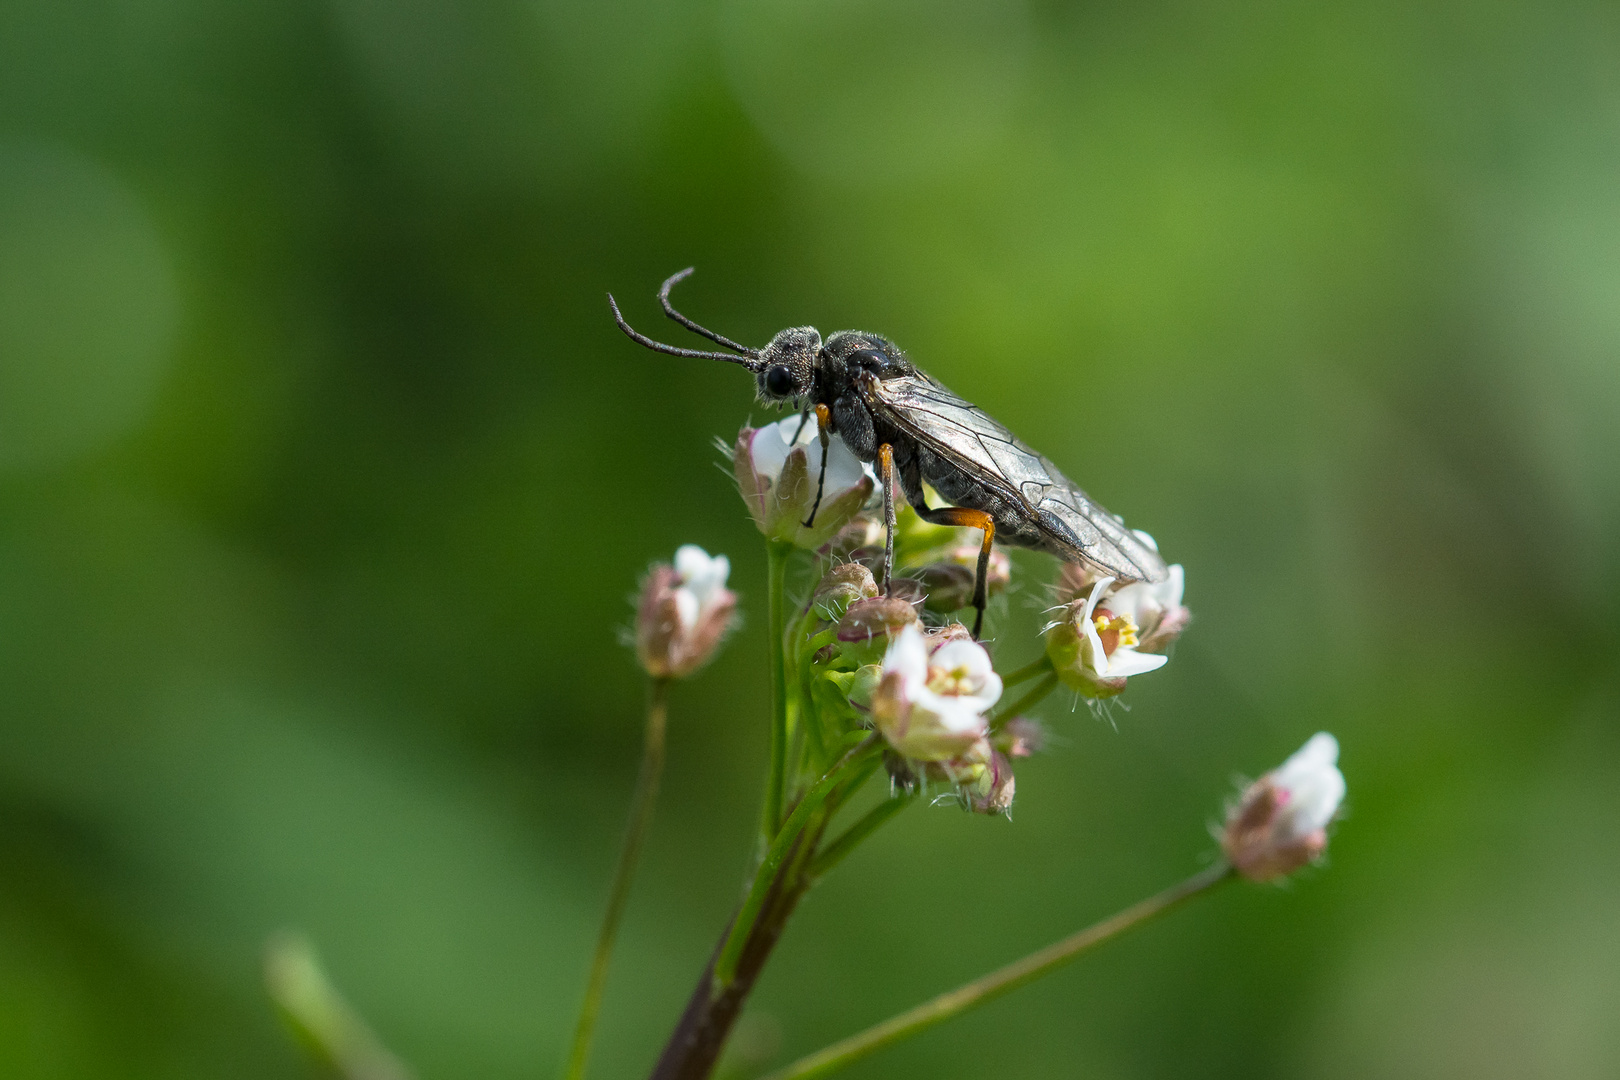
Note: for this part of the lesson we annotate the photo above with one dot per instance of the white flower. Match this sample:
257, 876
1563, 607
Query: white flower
1310, 788
1280, 823
683, 613
703, 582
1109, 632
778, 468
1154, 611
931, 706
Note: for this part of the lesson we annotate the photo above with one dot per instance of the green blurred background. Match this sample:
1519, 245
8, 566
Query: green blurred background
324, 479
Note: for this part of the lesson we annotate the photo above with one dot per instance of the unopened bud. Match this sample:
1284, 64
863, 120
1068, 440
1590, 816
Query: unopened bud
778, 469
868, 626
993, 794
843, 585
684, 612
1280, 823
948, 586
982, 776
863, 684
864, 533
997, 570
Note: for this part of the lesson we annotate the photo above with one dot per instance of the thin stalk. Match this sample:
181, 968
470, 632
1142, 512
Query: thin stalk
1031, 699
776, 556
976, 993
1028, 671
641, 812
867, 824
725, 964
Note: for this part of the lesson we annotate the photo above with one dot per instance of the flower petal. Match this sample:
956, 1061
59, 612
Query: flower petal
1127, 662
908, 656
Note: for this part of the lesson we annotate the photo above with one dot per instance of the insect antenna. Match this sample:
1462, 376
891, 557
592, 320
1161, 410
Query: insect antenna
750, 362
669, 309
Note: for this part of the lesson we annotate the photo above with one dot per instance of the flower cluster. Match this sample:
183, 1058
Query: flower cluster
896, 663
872, 670
894, 659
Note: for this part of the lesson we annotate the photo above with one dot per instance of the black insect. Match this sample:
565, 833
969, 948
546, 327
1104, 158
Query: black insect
862, 388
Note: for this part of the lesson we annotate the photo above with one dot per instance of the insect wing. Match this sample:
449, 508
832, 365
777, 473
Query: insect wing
971, 440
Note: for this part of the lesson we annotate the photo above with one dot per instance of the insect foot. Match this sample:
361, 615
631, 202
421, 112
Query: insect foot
1111, 631
683, 613
1280, 823
778, 469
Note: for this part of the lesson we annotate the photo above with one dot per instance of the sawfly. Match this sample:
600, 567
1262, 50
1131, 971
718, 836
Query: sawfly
862, 388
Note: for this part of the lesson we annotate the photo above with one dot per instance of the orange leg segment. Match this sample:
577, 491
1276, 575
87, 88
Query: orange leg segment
972, 519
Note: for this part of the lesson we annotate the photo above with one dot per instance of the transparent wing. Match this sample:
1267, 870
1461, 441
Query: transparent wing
967, 437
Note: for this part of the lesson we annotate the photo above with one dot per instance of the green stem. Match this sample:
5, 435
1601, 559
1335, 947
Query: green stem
1014, 975
1029, 700
776, 555
1028, 671
725, 966
868, 823
641, 812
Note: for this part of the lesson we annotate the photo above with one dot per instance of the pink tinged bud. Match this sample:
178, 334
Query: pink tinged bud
683, 613
868, 626
1280, 823
930, 702
778, 473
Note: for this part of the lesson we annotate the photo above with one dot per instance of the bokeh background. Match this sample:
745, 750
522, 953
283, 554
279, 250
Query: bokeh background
325, 478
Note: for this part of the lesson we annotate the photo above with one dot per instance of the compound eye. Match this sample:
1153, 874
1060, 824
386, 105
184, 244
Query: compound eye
778, 381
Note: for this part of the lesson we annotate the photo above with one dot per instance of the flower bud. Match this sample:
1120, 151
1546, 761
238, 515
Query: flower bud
778, 468
868, 627
930, 703
683, 613
864, 533
863, 683
948, 586
993, 794
997, 571
981, 774
1114, 632
1280, 823
843, 585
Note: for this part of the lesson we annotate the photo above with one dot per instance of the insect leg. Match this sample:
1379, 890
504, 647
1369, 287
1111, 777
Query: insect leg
824, 430
885, 462
973, 519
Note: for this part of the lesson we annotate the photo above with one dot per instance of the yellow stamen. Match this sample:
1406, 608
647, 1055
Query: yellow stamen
1122, 626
